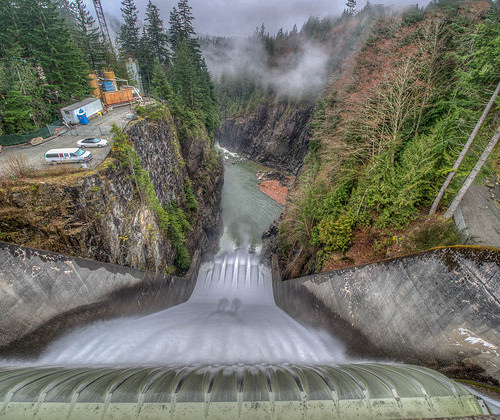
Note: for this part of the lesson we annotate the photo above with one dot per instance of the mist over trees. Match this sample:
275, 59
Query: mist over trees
290, 65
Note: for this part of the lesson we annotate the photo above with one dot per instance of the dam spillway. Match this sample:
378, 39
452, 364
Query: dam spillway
226, 352
210, 392
230, 318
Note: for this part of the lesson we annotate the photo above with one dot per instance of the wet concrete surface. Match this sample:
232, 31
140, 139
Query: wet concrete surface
42, 294
440, 308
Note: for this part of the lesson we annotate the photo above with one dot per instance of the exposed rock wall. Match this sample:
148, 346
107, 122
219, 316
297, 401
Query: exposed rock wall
275, 135
101, 214
43, 293
173, 162
440, 308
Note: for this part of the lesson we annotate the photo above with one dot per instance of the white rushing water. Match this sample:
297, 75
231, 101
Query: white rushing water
231, 317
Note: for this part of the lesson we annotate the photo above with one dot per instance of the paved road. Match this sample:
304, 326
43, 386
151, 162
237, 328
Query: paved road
481, 215
97, 127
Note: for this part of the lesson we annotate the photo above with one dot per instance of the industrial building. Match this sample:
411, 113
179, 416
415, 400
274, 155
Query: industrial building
91, 106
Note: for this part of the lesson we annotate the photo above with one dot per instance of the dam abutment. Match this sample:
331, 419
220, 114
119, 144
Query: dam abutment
439, 308
45, 293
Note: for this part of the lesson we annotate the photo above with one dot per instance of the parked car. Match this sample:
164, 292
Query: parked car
70, 155
92, 142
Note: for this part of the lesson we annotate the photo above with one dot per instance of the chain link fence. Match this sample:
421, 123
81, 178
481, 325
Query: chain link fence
44, 132
95, 131
99, 131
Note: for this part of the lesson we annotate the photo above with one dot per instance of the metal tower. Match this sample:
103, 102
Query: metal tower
102, 22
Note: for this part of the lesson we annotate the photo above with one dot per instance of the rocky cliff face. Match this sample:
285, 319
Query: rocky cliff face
275, 135
175, 164
103, 214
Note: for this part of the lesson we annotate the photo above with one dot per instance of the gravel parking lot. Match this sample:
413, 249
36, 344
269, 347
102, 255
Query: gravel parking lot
98, 127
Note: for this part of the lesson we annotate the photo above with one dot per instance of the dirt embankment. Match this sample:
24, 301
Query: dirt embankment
275, 185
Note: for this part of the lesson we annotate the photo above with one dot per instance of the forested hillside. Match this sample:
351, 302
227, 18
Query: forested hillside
40, 64
47, 49
386, 133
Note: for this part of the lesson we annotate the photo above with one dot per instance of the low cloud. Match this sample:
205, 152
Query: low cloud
304, 70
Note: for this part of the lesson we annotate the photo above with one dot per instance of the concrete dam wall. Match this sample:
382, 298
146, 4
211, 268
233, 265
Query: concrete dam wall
440, 308
43, 293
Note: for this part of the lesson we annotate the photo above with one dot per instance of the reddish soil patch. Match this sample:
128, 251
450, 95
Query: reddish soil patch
274, 190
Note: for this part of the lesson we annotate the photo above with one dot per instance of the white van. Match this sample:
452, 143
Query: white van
71, 155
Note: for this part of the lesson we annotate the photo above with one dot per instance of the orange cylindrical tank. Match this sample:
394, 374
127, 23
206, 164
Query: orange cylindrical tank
110, 75
94, 85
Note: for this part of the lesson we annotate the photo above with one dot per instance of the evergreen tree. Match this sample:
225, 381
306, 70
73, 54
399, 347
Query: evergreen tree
155, 32
41, 66
186, 19
189, 76
145, 59
128, 38
161, 88
46, 40
184, 75
88, 36
23, 92
66, 12
175, 31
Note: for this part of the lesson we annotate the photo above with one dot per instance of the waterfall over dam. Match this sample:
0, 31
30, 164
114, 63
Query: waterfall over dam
217, 348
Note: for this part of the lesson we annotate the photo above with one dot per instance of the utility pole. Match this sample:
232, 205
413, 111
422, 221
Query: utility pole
470, 179
464, 151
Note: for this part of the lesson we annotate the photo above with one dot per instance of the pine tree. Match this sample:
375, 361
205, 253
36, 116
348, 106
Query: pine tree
66, 12
87, 36
155, 32
23, 106
128, 38
186, 19
161, 88
145, 59
46, 40
9, 29
184, 75
175, 31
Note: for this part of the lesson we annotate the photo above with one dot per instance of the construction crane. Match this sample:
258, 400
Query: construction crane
102, 23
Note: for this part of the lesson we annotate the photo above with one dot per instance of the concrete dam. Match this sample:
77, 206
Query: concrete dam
203, 357
81, 339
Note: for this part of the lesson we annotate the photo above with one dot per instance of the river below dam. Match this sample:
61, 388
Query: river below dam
231, 317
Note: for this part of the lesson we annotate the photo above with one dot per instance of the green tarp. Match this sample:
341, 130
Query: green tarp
12, 139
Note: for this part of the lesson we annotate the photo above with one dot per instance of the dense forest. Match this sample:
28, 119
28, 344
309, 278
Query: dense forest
386, 133
48, 48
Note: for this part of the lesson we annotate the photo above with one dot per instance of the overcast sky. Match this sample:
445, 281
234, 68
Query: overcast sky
241, 17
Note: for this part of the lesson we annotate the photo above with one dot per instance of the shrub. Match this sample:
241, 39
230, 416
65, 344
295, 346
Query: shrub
17, 165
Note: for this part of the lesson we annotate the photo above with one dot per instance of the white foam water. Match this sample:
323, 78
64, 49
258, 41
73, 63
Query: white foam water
231, 318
